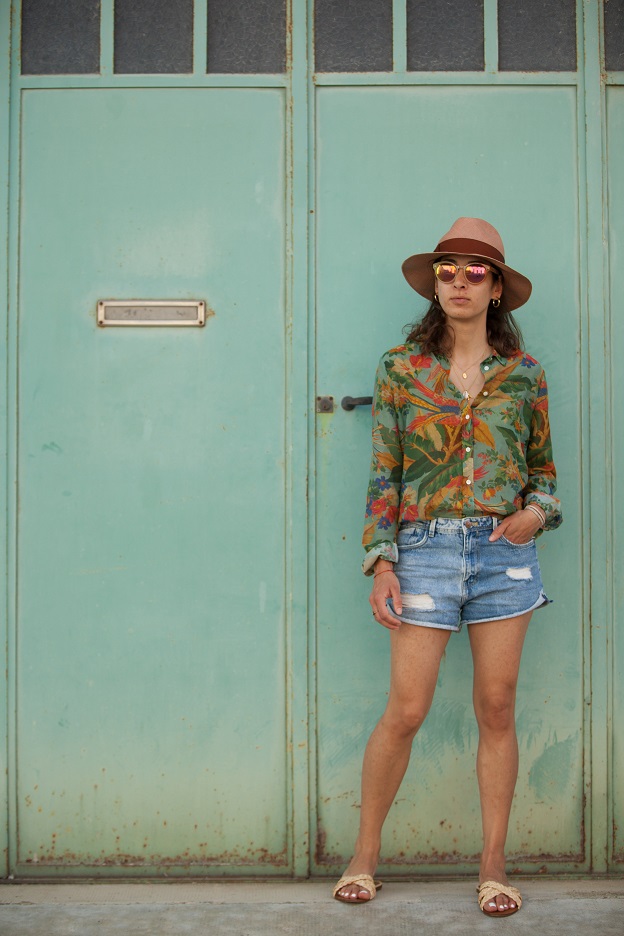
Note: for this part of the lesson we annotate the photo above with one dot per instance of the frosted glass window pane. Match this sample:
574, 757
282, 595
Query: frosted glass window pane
534, 36
60, 37
246, 36
353, 35
153, 36
614, 34
445, 35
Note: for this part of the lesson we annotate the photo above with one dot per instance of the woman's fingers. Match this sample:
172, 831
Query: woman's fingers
518, 527
388, 589
395, 594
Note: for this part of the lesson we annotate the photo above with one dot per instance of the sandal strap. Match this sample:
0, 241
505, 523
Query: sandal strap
491, 889
363, 880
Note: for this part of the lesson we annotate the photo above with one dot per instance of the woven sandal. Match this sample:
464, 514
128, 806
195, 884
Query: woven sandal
365, 881
491, 889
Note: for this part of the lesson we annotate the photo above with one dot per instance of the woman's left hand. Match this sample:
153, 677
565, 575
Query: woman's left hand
518, 527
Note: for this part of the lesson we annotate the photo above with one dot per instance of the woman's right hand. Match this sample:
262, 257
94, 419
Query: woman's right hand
385, 585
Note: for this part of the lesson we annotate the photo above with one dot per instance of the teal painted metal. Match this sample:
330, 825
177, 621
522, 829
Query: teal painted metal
588, 109
300, 424
597, 402
388, 175
326, 232
139, 651
615, 142
200, 46
107, 45
490, 35
399, 36
5, 72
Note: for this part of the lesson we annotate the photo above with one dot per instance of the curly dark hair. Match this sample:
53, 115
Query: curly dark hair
434, 335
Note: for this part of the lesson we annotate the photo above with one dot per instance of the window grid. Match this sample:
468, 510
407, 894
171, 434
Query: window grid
396, 58
486, 41
66, 55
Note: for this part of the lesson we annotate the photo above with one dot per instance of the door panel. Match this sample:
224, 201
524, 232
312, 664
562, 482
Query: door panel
151, 483
615, 144
396, 166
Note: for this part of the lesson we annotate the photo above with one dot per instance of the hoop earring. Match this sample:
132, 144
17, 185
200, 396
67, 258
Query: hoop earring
435, 296
496, 303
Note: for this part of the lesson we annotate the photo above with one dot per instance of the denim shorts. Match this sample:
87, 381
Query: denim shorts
451, 574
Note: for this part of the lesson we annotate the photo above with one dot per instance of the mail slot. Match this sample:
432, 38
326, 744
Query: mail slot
147, 312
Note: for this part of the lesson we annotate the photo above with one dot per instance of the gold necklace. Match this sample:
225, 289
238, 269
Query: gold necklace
466, 390
464, 374
478, 361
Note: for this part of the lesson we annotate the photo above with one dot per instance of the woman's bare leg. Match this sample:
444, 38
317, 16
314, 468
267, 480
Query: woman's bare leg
415, 653
496, 650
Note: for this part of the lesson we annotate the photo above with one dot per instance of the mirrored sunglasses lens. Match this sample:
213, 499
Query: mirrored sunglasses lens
475, 273
446, 272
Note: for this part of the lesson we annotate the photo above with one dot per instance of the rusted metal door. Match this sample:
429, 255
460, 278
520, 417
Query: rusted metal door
148, 646
396, 165
399, 156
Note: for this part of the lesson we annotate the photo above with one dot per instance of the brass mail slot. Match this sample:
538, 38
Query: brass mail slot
146, 312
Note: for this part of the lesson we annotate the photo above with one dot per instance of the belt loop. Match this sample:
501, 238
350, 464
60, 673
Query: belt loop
432, 526
494, 522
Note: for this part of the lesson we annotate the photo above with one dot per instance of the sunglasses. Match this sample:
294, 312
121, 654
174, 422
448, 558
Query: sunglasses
475, 273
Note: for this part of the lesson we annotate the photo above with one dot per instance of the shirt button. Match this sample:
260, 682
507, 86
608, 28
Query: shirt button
468, 481
467, 415
485, 393
487, 367
467, 449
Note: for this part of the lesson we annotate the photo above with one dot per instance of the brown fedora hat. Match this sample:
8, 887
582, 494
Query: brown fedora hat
475, 238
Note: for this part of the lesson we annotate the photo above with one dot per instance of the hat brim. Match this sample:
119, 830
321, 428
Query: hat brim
418, 272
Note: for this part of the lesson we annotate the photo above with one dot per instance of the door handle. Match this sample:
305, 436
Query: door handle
349, 402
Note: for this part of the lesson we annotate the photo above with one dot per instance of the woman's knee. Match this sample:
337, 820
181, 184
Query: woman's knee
404, 719
495, 711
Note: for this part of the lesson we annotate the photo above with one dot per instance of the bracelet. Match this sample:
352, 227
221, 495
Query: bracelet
539, 513
382, 573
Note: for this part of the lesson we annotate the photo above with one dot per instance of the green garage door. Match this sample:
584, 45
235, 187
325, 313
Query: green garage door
192, 670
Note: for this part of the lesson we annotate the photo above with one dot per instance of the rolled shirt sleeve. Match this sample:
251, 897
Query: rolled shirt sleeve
542, 482
384, 487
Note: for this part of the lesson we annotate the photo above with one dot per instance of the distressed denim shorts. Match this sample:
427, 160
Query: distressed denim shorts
450, 574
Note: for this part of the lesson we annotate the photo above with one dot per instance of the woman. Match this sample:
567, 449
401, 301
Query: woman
462, 480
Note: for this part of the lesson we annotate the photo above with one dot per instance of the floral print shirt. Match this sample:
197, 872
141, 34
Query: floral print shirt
436, 454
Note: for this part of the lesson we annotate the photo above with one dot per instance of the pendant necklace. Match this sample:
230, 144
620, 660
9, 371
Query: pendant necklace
478, 361
466, 391
464, 374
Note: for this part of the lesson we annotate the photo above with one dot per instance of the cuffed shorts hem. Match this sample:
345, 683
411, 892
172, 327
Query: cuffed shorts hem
541, 602
448, 627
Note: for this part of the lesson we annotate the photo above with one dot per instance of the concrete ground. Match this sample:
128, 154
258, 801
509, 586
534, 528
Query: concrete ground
551, 908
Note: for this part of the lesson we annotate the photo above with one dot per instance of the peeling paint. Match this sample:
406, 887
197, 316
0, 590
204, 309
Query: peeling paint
551, 772
252, 857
